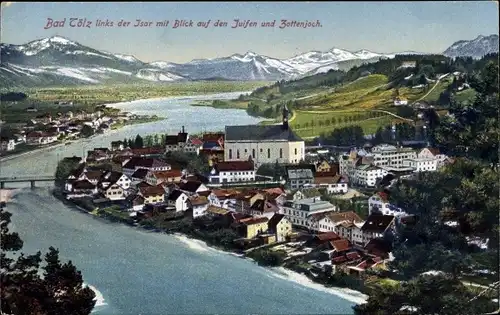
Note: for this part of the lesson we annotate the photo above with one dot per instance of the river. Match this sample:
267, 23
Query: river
137, 272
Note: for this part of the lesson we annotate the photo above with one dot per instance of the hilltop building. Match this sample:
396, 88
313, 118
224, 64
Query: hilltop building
264, 143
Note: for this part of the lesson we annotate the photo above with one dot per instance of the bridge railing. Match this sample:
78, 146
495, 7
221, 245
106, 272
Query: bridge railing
27, 178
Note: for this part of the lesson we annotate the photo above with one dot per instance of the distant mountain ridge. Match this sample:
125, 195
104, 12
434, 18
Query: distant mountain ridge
60, 61
476, 48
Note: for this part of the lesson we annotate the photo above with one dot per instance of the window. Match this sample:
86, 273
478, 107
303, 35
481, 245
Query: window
237, 154
268, 153
253, 153
295, 151
281, 153
230, 154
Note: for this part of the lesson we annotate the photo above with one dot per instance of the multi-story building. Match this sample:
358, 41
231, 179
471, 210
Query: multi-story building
299, 212
180, 143
379, 203
233, 171
264, 143
422, 164
367, 175
389, 155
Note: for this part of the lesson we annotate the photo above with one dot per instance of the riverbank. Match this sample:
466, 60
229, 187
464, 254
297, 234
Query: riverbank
47, 147
186, 230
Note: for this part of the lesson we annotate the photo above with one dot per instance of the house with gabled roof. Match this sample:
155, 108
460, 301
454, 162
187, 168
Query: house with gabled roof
151, 164
192, 187
179, 200
264, 208
280, 226
199, 205
251, 227
379, 203
180, 142
152, 194
232, 171
158, 177
81, 188
377, 225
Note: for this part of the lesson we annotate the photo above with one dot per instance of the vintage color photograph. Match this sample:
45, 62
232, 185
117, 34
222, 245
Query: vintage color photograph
249, 158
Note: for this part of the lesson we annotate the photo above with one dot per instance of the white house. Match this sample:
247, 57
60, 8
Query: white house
113, 177
422, 164
192, 187
399, 101
199, 204
180, 143
233, 171
329, 221
336, 185
264, 143
367, 175
299, 177
376, 225
299, 211
39, 138
133, 164
81, 188
379, 203
389, 155
433, 153
179, 200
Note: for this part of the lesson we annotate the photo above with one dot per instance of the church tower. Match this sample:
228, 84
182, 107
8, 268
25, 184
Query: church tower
285, 117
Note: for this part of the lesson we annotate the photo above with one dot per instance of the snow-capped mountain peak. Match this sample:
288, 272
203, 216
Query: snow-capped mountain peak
39, 45
475, 48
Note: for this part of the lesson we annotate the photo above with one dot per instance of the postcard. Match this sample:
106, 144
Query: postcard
249, 158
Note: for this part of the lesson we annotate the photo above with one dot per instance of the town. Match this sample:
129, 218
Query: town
298, 218
47, 130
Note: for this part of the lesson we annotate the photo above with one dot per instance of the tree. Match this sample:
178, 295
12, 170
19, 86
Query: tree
24, 291
139, 142
472, 129
87, 131
449, 297
65, 167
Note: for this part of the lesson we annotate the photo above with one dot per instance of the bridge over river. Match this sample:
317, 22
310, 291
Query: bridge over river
25, 179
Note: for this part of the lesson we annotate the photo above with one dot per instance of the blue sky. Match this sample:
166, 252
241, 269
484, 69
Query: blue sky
376, 26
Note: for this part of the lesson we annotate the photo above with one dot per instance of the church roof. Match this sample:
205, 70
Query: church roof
260, 133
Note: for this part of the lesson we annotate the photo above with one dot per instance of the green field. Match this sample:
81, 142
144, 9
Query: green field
92, 94
87, 97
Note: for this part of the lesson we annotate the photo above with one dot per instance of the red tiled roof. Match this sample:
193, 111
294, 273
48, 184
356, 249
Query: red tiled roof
327, 236
338, 260
344, 216
353, 256
276, 190
213, 137
198, 201
250, 221
196, 141
384, 196
167, 174
235, 166
152, 190
341, 245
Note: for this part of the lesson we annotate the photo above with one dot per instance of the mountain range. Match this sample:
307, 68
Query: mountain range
61, 61
476, 48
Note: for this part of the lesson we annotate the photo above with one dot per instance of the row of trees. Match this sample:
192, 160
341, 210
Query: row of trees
347, 136
465, 192
338, 120
148, 141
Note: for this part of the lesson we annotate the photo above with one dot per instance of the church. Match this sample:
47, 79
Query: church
264, 143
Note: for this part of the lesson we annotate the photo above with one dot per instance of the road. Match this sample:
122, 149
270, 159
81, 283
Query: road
435, 85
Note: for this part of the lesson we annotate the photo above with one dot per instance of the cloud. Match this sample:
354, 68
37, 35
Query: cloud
7, 4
